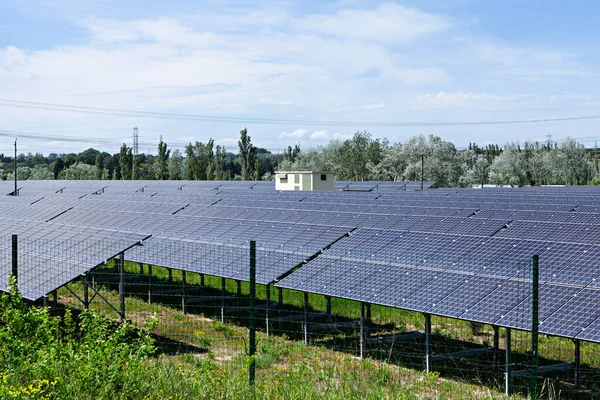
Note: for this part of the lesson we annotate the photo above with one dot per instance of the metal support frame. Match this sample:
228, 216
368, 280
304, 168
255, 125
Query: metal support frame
306, 340
223, 290
535, 262
170, 279
368, 322
54, 300
122, 285
328, 309
239, 292
15, 260
183, 295
362, 329
149, 284
141, 268
201, 284
267, 308
496, 345
86, 293
577, 377
252, 333
280, 300
428, 358
507, 363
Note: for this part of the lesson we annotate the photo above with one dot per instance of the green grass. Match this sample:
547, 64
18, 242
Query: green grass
287, 369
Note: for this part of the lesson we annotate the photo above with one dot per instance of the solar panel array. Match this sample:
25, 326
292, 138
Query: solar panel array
462, 253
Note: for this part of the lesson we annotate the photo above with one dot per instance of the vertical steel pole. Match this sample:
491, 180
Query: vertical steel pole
428, 343
534, 326
239, 292
306, 318
252, 367
86, 293
223, 290
149, 284
15, 261
280, 300
577, 380
267, 308
15, 171
122, 284
362, 329
507, 364
328, 310
368, 322
183, 297
496, 345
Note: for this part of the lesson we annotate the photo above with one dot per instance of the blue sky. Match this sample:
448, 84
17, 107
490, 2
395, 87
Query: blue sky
327, 69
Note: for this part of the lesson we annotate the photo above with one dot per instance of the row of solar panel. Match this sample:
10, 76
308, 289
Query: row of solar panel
468, 278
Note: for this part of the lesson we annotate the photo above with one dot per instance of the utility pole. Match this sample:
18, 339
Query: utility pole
422, 168
135, 141
15, 167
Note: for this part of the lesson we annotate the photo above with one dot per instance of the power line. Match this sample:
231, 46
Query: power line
83, 139
223, 119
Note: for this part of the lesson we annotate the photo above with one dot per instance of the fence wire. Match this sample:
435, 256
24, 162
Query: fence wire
318, 312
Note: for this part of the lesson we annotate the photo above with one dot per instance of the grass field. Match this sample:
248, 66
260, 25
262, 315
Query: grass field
329, 368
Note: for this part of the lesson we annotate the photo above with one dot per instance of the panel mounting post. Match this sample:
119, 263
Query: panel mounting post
428, 357
267, 308
183, 296
362, 329
306, 318
122, 285
86, 293
223, 290
535, 263
15, 261
328, 309
507, 364
280, 300
252, 333
577, 379
496, 345
149, 283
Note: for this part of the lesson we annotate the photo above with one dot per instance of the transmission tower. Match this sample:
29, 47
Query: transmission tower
135, 141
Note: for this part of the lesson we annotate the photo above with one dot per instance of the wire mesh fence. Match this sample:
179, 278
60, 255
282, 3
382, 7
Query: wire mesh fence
466, 318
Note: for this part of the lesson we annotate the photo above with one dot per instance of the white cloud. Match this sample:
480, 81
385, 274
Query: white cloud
298, 133
389, 22
319, 135
419, 76
227, 141
372, 106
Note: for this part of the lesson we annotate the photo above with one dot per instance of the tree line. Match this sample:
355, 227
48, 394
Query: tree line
359, 158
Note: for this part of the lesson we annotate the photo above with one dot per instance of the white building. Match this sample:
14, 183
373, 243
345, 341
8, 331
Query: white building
304, 180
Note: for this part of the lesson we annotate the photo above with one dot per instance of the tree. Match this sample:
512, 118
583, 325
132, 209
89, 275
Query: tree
99, 168
162, 166
59, 165
175, 166
135, 168
509, 168
246, 155
125, 162
79, 171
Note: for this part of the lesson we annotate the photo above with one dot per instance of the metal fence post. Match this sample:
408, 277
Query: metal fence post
428, 357
507, 363
122, 285
15, 263
534, 326
252, 339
